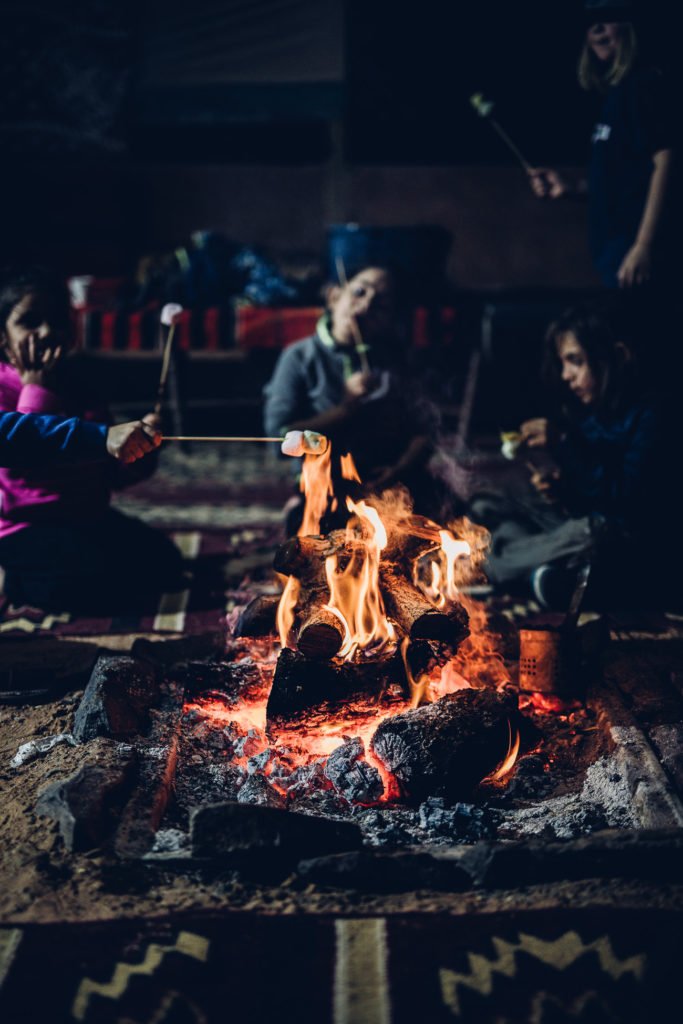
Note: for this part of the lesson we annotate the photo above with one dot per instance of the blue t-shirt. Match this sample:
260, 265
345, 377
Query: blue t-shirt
635, 123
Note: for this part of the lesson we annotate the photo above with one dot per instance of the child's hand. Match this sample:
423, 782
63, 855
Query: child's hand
636, 267
358, 385
34, 363
538, 433
546, 183
130, 441
546, 483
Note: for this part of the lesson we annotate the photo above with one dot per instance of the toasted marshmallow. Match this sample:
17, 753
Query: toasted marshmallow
304, 442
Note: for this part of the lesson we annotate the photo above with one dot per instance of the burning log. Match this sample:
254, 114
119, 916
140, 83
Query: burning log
411, 537
300, 684
416, 616
320, 633
448, 747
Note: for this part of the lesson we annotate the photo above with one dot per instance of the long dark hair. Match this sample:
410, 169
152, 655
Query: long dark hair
606, 336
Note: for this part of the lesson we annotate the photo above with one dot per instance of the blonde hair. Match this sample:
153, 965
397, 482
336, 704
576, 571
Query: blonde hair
592, 73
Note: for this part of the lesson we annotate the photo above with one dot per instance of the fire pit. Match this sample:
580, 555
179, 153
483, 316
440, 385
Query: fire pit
367, 704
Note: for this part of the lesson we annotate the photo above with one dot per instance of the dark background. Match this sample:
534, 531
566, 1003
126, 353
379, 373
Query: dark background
106, 106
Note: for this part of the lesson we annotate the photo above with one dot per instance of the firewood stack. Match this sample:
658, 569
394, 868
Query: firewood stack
310, 673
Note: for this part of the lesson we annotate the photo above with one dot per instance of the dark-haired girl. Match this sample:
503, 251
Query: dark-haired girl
62, 547
605, 481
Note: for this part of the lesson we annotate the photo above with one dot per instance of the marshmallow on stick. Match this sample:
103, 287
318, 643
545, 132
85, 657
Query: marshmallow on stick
304, 442
484, 108
510, 440
168, 318
295, 442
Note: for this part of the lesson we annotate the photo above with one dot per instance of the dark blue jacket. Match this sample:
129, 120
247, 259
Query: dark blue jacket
621, 467
28, 438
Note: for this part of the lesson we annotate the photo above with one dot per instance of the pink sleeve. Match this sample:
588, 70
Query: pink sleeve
34, 398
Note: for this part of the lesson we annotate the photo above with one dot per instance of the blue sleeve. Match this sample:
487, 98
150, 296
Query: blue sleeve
28, 438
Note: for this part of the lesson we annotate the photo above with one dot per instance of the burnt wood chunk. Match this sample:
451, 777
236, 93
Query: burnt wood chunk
300, 684
416, 616
226, 828
259, 618
120, 692
86, 804
352, 776
448, 747
320, 634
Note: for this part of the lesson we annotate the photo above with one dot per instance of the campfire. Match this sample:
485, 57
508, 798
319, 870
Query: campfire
364, 698
385, 668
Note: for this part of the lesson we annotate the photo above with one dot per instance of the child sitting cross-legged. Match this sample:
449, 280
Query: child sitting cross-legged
61, 544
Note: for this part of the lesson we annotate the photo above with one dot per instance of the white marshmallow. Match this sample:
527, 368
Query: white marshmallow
169, 312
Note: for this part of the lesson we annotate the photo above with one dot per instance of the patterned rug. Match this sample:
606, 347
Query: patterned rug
224, 565
594, 965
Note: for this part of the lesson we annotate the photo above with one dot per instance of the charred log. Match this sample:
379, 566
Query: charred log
300, 684
320, 634
448, 747
416, 616
259, 617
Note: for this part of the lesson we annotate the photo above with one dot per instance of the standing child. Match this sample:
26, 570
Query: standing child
629, 185
61, 545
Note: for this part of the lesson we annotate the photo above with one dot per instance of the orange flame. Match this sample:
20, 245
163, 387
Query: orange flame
355, 596
348, 468
510, 757
286, 608
418, 687
316, 484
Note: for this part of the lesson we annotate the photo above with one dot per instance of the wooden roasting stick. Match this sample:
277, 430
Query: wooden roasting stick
357, 336
484, 109
295, 442
168, 315
221, 439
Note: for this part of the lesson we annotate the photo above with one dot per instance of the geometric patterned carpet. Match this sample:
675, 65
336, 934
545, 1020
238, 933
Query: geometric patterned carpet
593, 965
